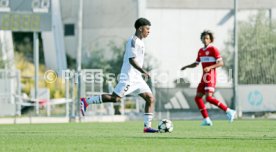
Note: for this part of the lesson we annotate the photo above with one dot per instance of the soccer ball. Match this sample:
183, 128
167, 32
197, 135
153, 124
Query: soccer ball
165, 125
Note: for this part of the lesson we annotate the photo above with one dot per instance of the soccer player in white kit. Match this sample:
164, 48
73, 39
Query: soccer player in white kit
131, 80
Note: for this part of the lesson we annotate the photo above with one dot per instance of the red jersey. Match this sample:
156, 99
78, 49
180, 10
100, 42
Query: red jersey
208, 56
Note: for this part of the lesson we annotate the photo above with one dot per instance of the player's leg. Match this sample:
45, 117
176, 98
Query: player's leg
144, 91
201, 106
214, 101
98, 100
120, 90
149, 109
209, 90
209, 98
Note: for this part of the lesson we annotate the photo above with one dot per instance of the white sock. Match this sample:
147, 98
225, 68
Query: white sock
228, 110
207, 119
94, 99
147, 119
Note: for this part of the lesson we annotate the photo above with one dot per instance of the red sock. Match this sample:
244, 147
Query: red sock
214, 101
201, 106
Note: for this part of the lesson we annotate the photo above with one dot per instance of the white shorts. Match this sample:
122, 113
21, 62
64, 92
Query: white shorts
124, 88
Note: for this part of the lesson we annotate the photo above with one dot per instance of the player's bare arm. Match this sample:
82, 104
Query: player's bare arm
133, 62
218, 64
193, 65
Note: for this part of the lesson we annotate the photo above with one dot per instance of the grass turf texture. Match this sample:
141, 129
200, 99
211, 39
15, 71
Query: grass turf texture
242, 135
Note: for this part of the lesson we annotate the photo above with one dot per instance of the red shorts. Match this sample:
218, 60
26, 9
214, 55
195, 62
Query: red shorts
207, 84
206, 87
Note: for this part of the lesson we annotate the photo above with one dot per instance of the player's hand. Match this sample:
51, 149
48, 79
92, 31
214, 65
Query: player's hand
146, 75
207, 69
183, 68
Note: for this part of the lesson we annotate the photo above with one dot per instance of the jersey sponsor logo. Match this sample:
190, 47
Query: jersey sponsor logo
205, 59
207, 53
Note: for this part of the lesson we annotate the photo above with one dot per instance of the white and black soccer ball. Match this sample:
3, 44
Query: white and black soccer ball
165, 125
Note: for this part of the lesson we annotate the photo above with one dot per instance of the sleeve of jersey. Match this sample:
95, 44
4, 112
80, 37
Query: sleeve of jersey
197, 59
132, 50
217, 54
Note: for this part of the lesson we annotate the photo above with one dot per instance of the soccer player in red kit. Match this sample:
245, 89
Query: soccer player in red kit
210, 59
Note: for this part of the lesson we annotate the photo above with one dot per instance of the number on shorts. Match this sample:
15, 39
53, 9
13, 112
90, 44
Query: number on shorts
127, 87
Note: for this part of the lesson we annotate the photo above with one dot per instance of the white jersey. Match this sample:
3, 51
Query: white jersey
134, 48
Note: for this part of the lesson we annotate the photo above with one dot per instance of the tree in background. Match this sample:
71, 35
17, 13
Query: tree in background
23, 46
23, 43
2, 63
256, 50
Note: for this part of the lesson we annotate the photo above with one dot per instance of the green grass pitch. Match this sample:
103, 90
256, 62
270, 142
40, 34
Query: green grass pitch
242, 135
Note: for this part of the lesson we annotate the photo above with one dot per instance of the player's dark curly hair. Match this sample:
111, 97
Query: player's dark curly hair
141, 22
207, 32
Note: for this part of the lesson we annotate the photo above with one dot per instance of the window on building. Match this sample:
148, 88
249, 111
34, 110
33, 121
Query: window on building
69, 29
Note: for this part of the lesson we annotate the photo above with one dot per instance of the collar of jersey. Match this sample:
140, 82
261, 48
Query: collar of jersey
134, 36
207, 47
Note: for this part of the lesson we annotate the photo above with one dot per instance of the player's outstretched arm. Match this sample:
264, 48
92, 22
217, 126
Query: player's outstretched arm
193, 65
136, 66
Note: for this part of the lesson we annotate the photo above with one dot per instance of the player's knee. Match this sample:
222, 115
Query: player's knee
197, 98
115, 99
150, 99
209, 98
